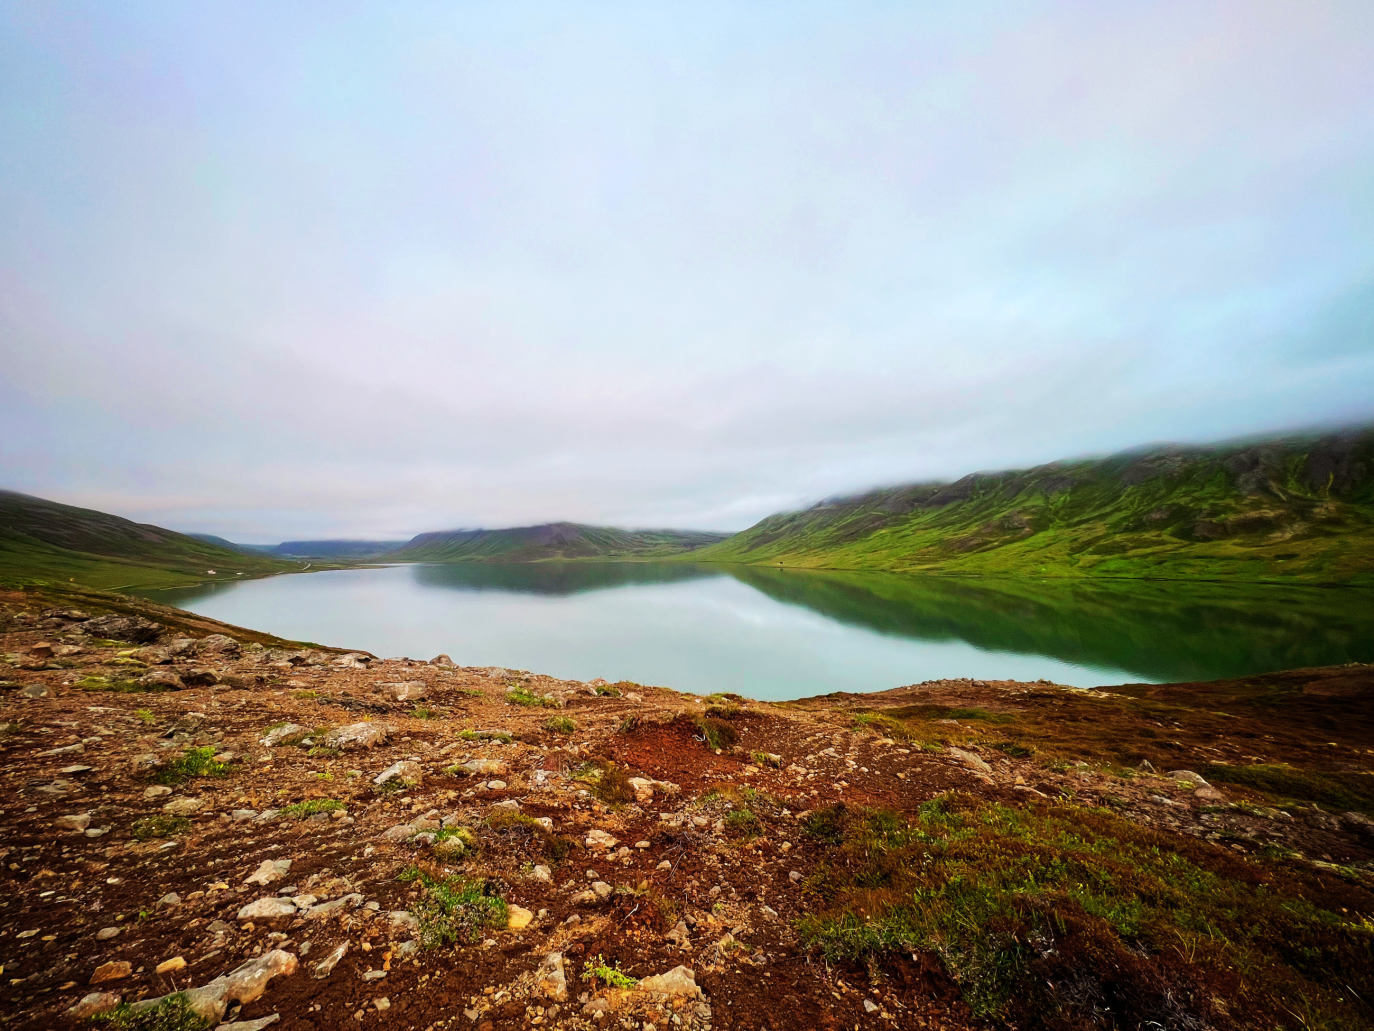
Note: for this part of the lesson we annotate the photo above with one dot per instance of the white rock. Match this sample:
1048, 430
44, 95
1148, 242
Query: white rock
406, 772
286, 732
270, 871
552, 981
272, 910
679, 981
326, 965
358, 735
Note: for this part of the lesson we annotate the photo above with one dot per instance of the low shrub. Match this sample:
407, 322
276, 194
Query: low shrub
1018, 903
715, 734
174, 1013
195, 762
524, 696
560, 725
454, 910
597, 969
454, 843
1287, 783
309, 807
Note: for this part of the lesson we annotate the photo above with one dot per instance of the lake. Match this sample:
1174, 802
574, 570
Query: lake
776, 634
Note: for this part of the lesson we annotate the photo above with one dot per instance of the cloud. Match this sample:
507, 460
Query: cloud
273, 271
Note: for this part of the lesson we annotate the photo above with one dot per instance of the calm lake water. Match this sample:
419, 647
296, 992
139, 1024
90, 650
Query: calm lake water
778, 634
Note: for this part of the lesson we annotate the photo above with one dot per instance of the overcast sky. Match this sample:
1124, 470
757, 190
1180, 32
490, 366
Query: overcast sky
287, 270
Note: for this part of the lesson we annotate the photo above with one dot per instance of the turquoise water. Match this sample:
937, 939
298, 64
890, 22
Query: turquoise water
778, 634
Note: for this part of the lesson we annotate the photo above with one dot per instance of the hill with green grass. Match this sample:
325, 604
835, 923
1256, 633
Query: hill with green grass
551, 541
44, 541
1292, 509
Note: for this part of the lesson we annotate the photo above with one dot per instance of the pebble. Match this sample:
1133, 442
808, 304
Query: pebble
167, 966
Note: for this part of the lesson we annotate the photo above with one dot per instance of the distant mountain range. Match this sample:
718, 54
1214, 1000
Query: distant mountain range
1287, 508
1294, 508
341, 550
552, 541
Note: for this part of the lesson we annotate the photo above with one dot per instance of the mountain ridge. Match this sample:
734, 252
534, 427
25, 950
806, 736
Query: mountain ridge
1297, 506
560, 540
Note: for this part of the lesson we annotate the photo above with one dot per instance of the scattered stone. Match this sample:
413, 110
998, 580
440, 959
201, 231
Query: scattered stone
870, 1006
405, 691
287, 733
543, 873
134, 629
602, 889
1210, 794
551, 979
36, 691
518, 918
973, 762
184, 806
599, 839
168, 966
96, 1002
679, 981
358, 735
111, 971
218, 644
405, 772
106, 933
269, 872
271, 910
243, 985
250, 1025
795, 877
170, 899
162, 678
483, 767
157, 791
73, 822
325, 966
1188, 775
443, 661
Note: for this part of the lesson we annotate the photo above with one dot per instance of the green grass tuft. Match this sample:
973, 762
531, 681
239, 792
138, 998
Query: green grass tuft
196, 762
309, 807
454, 911
151, 827
173, 1013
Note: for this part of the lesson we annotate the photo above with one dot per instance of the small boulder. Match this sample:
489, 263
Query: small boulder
162, 679
680, 981
96, 1002
405, 691
201, 678
551, 979
268, 872
157, 791
286, 734
599, 839
483, 767
358, 735
111, 971
326, 966
518, 918
73, 822
270, 910
169, 966
443, 662
405, 772
183, 806
219, 644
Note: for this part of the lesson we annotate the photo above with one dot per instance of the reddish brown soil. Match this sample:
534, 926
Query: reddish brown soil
68, 886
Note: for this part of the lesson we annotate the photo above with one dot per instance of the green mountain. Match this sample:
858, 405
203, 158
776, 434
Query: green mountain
1297, 509
44, 541
220, 542
340, 550
551, 541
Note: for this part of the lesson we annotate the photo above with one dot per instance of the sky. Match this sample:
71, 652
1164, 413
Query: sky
295, 270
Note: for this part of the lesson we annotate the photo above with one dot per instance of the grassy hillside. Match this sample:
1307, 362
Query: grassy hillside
551, 541
43, 541
1298, 509
340, 550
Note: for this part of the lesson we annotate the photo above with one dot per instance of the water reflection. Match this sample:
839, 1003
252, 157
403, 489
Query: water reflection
785, 633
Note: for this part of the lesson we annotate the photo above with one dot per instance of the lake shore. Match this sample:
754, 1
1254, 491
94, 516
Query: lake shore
204, 795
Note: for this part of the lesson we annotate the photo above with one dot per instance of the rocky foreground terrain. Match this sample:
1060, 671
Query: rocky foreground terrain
208, 827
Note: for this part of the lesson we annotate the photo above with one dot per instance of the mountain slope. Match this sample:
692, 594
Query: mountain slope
550, 541
342, 550
1298, 508
45, 540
